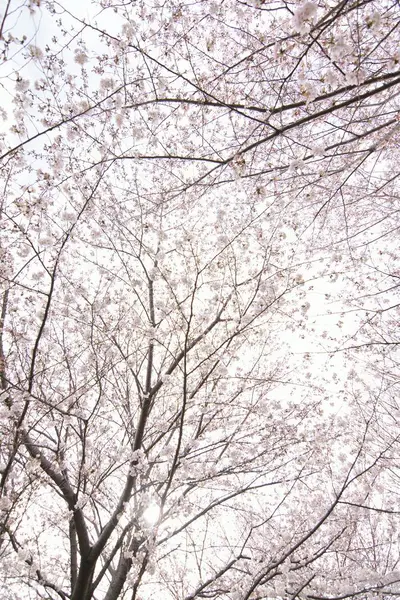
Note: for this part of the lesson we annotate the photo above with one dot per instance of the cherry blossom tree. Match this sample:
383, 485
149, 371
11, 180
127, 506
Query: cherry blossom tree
198, 353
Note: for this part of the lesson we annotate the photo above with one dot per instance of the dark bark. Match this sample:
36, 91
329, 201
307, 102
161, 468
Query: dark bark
83, 587
119, 578
73, 554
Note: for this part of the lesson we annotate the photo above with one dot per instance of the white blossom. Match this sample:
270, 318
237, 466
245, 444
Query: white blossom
303, 16
80, 57
35, 52
22, 85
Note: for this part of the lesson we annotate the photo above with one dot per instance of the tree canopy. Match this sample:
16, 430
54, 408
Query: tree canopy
199, 300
